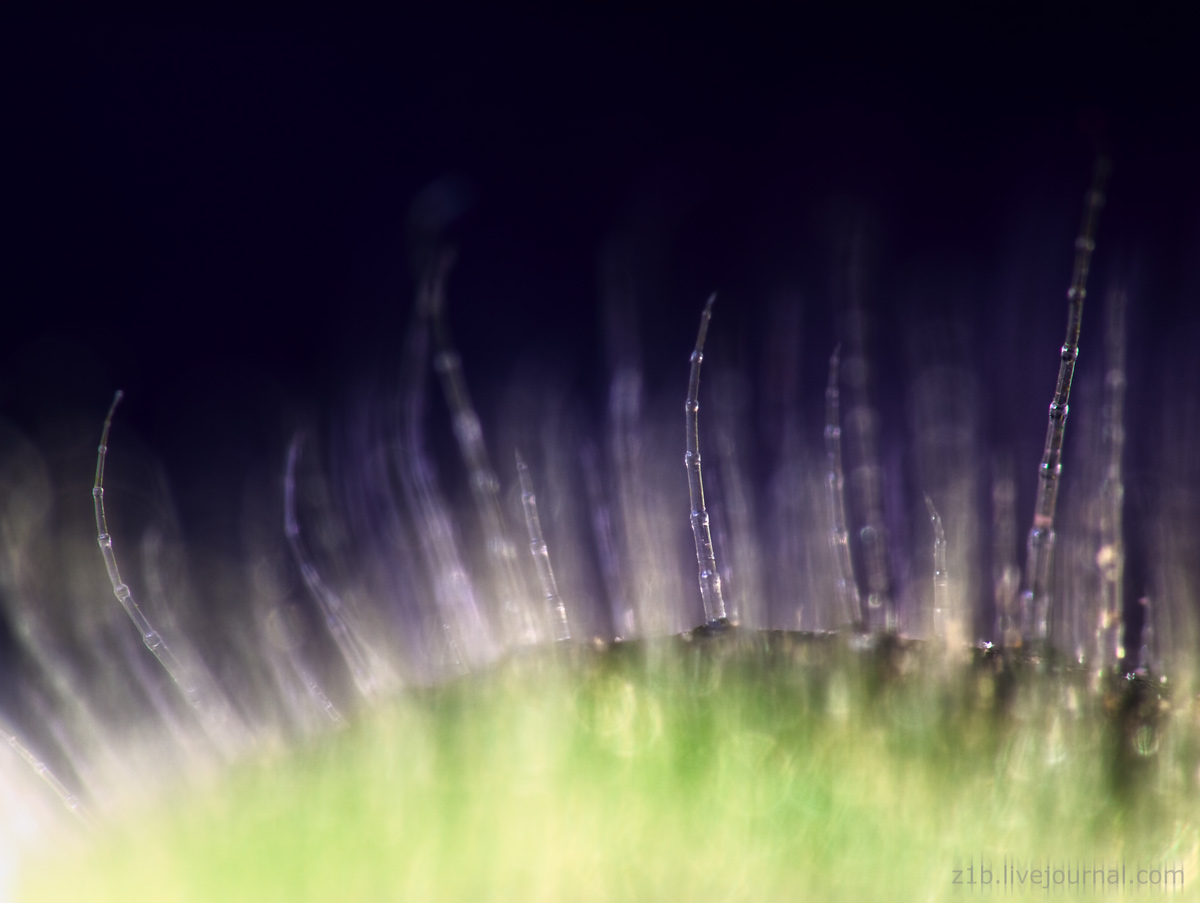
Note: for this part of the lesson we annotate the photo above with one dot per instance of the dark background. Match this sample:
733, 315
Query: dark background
212, 216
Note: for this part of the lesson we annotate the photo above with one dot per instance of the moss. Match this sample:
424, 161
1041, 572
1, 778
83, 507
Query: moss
770, 766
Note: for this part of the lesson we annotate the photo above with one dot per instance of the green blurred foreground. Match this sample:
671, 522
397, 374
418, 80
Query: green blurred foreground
776, 767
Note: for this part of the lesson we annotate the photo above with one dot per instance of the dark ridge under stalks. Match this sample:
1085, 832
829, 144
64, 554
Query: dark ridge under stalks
710, 580
1036, 601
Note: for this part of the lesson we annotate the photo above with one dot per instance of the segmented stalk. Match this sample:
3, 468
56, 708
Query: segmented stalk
150, 636
220, 722
1036, 602
43, 771
710, 580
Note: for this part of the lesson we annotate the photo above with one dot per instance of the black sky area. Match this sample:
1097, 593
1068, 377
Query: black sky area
213, 216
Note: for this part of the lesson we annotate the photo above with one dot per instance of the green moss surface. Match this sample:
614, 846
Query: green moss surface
768, 768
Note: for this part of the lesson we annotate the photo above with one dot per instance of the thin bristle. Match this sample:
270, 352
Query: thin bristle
520, 623
624, 618
879, 613
555, 608
1006, 576
849, 604
467, 642
43, 771
941, 582
338, 621
1110, 632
